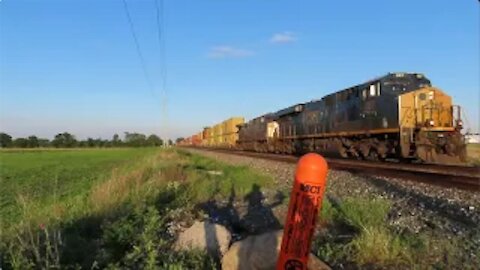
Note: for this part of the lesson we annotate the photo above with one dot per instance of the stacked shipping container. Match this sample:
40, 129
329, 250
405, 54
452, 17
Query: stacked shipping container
224, 134
230, 131
217, 134
206, 136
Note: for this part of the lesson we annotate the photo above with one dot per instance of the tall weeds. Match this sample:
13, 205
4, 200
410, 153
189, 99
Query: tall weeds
122, 221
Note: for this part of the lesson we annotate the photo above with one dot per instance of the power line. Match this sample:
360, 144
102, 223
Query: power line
161, 40
137, 47
159, 7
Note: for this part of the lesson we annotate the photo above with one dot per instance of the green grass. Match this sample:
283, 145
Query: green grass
43, 176
364, 213
371, 241
216, 179
111, 208
108, 208
375, 243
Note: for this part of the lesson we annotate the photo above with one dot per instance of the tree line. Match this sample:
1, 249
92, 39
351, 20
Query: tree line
67, 140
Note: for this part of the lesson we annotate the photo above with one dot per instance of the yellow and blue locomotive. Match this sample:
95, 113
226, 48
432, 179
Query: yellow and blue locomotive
399, 115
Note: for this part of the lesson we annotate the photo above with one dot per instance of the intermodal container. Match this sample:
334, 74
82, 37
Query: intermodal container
211, 134
230, 139
206, 132
217, 130
196, 140
230, 125
187, 141
210, 141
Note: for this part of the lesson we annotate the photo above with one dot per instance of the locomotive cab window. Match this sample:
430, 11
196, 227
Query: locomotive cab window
364, 94
373, 90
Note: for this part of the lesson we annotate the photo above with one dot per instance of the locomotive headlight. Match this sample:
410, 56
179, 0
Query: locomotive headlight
460, 123
432, 123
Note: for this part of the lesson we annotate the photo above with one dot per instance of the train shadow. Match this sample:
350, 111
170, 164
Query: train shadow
244, 216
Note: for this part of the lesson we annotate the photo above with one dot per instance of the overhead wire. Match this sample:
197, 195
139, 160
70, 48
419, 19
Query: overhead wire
138, 50
159, 7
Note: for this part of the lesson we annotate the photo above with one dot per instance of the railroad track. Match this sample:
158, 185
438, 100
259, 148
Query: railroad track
464, 177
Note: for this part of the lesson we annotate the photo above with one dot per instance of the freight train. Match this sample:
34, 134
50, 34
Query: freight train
399, 115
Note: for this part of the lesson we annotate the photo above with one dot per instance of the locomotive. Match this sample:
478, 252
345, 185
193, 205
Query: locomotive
399, 115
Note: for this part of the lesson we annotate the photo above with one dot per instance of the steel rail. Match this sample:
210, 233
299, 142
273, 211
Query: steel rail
463, 177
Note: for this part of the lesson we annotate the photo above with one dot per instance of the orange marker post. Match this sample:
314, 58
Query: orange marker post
305, 202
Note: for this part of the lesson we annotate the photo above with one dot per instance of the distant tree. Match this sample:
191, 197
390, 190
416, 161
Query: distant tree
116, 140
170, 142
20, 143
101, 143
154, 140
82, 143
33, 141
107, 143
64, 140
90, 142
135, 139
58, 141
98, 142
43, 142
5, 140
179, 139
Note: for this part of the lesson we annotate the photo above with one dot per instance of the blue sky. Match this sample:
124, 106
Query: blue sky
72, 65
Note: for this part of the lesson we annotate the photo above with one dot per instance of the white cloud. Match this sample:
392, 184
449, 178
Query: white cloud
285, 37
228, 52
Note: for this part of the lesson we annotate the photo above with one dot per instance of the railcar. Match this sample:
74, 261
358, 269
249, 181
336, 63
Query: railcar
254, 135
399, 115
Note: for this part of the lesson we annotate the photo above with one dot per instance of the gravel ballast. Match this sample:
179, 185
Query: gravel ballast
417, 207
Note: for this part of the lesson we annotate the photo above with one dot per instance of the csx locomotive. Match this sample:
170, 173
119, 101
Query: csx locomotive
399, 115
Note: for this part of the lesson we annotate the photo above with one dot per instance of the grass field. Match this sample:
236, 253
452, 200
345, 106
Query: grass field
106, 208
43, 177
112, 208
